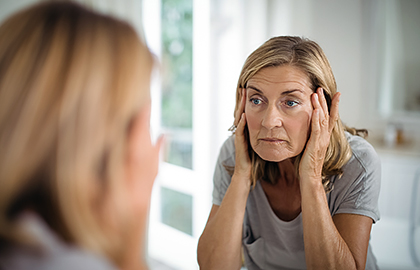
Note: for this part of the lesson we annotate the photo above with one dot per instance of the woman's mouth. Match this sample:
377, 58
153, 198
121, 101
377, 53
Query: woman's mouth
271, 140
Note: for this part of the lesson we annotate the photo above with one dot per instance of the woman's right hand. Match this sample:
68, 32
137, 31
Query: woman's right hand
242, 162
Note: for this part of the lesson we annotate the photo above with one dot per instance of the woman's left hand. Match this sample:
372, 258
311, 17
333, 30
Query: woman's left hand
142, 161
142, 164
322, 124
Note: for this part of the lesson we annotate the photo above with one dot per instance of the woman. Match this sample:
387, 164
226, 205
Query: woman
77, 163
294, 188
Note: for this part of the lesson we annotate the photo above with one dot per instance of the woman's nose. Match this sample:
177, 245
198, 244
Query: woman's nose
272, 118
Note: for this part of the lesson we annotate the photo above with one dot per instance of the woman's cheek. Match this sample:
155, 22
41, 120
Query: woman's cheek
299, 128
253, 121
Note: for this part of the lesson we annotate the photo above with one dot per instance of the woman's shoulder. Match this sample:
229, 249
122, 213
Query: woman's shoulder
22, 258
227, 151
363, 167
357, 190
362, 152
50, 252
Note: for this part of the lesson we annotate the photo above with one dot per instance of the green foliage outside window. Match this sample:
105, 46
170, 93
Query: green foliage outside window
177, 53
177, 63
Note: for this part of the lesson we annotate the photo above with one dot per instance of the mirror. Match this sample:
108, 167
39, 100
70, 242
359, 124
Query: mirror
398, 30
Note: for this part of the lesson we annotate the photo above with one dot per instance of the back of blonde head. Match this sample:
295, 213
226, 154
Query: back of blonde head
71, 82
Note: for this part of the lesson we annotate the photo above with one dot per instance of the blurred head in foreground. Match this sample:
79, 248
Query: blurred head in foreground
74, 129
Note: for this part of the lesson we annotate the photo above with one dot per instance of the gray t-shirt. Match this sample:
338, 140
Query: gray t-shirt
270, 243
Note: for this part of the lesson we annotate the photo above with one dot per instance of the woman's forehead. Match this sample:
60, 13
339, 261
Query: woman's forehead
282, 77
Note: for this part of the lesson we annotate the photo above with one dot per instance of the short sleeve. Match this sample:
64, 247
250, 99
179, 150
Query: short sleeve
357, 192
221, 177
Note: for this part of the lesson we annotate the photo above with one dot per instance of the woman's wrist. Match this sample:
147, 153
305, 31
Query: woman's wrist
242, 182
311, 183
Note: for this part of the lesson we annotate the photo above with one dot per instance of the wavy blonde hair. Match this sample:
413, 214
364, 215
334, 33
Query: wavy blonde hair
307, 56
71, 83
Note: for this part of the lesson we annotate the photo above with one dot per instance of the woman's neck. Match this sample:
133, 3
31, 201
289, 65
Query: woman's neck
284, 195
287, 172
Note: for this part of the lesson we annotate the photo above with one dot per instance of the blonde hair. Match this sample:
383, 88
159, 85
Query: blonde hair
308, 57
71, 83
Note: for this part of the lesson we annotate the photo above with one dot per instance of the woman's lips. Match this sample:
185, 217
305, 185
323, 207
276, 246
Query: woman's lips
271, 140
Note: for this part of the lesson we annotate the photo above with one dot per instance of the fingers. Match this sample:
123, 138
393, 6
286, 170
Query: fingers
322, 124
334, 110
241, 127
241, 107
326, 118
242, 160
318, 114
240, 140
315, 126
322, 101
159, 143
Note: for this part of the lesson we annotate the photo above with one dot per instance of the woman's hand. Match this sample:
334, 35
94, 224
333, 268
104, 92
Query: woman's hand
242, 162
142, 160
322, 124
331, 242
142, 164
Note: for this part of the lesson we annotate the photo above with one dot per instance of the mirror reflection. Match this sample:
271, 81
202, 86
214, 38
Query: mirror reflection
397, 24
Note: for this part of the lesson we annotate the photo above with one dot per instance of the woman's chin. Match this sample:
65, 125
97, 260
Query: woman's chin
272, 156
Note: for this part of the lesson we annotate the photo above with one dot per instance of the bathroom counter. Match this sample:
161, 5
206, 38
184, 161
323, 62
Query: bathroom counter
409, 148
398, 199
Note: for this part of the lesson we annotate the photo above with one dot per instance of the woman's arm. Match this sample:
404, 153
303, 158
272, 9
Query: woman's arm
220, 244
338, 242
142, 164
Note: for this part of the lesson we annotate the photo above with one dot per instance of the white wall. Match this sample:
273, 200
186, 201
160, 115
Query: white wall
336, 27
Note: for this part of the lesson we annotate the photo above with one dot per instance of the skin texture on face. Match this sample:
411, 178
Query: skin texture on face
278, 110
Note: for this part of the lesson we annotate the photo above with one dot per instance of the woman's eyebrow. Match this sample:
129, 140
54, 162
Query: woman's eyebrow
254, 88
292, 91
287, 92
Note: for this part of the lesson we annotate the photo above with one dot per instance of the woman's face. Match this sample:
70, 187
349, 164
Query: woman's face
278, 112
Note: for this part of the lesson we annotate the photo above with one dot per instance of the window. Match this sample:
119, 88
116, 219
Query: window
177, 54
181, 198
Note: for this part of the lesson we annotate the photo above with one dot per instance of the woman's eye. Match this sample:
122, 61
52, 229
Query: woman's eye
291, 103
256, 101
